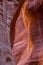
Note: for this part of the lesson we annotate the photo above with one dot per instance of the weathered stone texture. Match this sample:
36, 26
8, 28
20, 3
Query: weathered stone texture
6, 57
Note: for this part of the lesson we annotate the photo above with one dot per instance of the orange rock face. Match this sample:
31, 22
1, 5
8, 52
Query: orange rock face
23, 55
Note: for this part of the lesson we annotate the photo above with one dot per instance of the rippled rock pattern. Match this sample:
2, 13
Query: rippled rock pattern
21, 38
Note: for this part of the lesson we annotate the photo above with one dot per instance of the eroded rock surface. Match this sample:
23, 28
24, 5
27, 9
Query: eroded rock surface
6, 10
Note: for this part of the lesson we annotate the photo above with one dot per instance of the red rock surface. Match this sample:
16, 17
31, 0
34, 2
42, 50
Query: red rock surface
21, 54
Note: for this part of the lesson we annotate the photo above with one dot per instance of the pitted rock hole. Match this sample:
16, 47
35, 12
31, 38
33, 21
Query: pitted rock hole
8, 59
34, 63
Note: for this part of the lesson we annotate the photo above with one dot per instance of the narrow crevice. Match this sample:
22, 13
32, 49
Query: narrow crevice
12, 27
